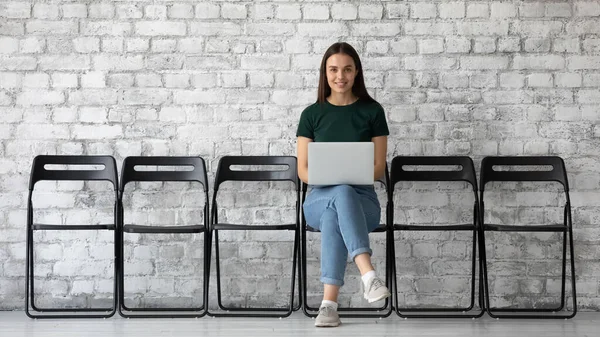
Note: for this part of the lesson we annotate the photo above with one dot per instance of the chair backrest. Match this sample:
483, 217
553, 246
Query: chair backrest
197, 173
466, 171
557, 174
225, 173
40, 172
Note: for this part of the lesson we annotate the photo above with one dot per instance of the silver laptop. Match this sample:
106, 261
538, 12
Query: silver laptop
351, 163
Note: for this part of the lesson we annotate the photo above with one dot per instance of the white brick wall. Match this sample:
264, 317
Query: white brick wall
212, 78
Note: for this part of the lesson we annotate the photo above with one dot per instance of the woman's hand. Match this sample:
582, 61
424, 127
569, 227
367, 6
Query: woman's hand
380, 155
302, 155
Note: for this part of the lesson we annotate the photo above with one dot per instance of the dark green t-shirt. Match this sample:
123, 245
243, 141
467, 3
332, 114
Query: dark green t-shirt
356, 122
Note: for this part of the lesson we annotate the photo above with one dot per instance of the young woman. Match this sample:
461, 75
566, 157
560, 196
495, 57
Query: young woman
344, 214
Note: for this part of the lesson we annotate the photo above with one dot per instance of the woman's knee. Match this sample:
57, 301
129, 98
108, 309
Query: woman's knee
344, 191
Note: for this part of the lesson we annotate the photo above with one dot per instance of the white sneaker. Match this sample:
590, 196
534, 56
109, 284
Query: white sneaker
375, 290
328, 317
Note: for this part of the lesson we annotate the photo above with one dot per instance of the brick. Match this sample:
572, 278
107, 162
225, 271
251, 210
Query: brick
112, 45
568, 80
64, 80
211, 29
482, 28
568, 45
370, 11
429, 28
484, 45
129, 11
344, 11
542, 29
118, 63
583, 62
32, 45
198, 97
431, 46
105, 28
478, 10
458, 45
500, 10
375, 29
74, 11
45, 11
452, 10
509, 44
233, 11
165, 28
422, 10
38, 97
155, 12
207, 11
15, 10
163, 46
36, 80
315, 12
538, 62
96, 131
101, 11
93, 79
137, 45
85, 45
561, 10
47, 27
539, 80
288, 12
100, 97
587, 8
322, 29
396, 10
404, 46
532, 10
536, 45
265, 62
484, 62
10, 80
270, 29
426, 63
12, 28
512, 80
181, 11
8, 45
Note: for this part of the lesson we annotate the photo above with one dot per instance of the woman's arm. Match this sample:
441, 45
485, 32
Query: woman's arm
380, 155
302, 155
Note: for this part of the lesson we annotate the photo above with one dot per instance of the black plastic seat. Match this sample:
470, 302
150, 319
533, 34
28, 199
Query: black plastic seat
558, 173
40, 172
130, 174
466, 173
356, 312
226, 173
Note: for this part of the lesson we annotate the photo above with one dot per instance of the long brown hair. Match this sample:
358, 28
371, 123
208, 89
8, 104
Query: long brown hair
358, 89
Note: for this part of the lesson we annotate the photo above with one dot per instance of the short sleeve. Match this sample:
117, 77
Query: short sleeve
305, 126
379, 126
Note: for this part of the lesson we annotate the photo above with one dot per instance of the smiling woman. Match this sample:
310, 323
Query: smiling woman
344, 214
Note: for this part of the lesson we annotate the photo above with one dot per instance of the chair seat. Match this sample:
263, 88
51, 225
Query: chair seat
226, 226
163, 229
461, 227
73, 227
524, 228
382, 228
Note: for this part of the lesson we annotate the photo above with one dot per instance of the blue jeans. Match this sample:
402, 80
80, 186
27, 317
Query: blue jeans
344, 215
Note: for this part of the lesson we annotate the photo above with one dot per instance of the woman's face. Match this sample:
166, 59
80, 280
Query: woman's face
341, 71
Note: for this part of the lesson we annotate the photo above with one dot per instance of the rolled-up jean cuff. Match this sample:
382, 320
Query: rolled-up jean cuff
360, 251
332, 281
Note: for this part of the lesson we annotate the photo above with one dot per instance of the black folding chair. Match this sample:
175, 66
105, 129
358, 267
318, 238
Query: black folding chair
40, 172
490, 173
466, 173
357, 312
129, 174
226, 173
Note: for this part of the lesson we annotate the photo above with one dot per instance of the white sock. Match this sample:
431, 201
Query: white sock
368, 276
330, 304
